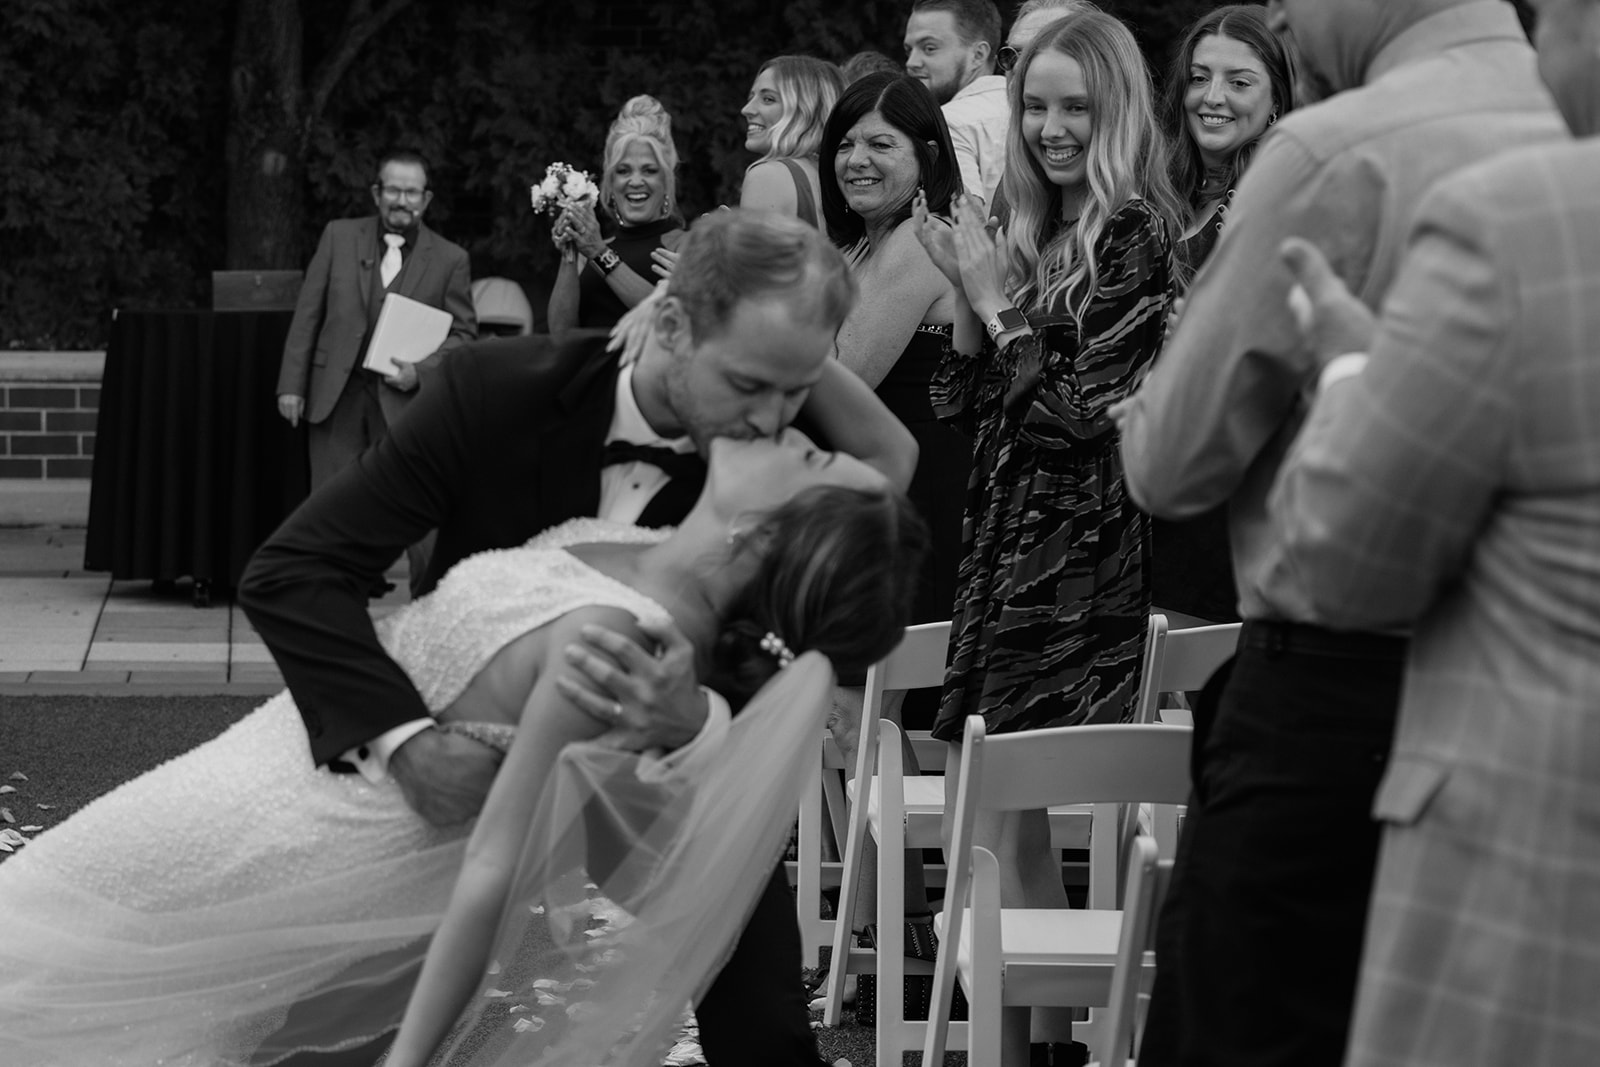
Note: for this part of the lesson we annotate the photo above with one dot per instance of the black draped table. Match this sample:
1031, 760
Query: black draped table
193, 466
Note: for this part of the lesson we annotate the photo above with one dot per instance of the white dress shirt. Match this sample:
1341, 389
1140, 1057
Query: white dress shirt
977, 117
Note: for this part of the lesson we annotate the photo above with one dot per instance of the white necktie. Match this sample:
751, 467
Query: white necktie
391, 259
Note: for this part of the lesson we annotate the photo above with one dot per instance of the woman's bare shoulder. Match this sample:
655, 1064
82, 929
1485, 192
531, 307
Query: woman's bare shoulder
767, 184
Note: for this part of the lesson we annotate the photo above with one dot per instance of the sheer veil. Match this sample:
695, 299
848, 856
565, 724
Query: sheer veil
632, 886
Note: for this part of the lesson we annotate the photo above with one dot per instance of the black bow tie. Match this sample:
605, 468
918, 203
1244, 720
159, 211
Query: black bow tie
674, 464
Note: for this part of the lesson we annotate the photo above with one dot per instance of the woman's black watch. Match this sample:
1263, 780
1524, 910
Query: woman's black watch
1005, 320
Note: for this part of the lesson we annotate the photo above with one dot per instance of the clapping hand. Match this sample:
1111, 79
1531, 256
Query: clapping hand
978, 254
664, 262
1174, 313
650, 700
583, 228
937, 238
561, 235
1332, 321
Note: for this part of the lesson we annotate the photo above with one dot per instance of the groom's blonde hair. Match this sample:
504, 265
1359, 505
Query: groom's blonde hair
739, 254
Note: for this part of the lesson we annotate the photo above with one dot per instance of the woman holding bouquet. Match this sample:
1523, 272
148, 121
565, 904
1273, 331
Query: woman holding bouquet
606, 266
788, 105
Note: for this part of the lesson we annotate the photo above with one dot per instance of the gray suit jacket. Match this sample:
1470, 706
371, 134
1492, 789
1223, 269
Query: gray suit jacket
1456, 481
336, 309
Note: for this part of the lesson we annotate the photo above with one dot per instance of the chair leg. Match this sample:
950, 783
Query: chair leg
936, 1037
843, 944
891, 946
808, 893
984, 993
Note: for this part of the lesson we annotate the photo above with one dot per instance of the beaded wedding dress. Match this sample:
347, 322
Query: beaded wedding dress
236, 905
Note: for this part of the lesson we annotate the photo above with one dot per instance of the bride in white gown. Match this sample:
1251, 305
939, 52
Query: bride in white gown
237, 905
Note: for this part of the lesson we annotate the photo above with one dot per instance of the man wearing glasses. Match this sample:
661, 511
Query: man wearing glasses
358, 263
950, 48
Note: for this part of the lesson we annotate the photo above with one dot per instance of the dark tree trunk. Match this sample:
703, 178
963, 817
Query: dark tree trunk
266, 124
271, 112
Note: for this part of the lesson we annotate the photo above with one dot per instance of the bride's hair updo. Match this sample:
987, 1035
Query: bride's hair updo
838, 574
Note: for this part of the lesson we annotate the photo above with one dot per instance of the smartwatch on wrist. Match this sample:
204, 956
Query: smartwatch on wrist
607, 261
1005, 320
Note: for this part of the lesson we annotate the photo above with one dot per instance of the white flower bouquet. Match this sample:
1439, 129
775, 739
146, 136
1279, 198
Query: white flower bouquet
563, 186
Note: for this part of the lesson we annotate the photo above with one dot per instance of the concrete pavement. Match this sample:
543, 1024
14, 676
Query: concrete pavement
67, 630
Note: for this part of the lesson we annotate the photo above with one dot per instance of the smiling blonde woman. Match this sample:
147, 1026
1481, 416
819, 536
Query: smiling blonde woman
783, 118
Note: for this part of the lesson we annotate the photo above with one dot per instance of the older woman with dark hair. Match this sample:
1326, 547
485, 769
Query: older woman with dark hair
886, 141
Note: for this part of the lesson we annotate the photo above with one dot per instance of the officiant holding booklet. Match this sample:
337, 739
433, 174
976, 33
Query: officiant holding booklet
361, 265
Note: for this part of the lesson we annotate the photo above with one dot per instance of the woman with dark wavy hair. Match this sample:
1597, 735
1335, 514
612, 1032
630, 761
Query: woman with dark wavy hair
297, 887
1231, 79
885, 143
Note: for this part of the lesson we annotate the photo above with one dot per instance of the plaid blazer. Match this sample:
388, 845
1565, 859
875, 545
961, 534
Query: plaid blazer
1456, 481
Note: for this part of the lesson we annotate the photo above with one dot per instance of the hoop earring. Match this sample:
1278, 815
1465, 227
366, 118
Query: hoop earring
1272, 119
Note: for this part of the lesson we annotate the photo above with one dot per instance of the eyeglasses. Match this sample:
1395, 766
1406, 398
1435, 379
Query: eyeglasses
394, 192
1007, 58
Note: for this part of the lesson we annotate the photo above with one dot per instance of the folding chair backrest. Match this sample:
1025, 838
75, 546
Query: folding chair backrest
1192, 656
1181, 661
1155, 651
1121, 763
917, 662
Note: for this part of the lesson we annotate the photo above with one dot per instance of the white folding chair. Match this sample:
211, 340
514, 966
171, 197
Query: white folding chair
1181, 661
900, 813
1037, 957
1132, 974
822, 808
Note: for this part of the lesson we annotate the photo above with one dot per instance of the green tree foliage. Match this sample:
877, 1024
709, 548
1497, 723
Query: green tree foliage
115, 124
109, 129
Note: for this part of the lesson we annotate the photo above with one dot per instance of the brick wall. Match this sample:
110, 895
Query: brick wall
49, 402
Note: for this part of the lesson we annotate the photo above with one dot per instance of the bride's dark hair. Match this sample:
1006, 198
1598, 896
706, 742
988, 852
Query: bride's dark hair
838, 574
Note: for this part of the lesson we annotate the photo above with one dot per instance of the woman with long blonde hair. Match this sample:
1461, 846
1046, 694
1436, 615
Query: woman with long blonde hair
1061, 314
788, 106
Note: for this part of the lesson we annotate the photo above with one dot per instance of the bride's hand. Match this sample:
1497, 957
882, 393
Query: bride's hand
651, 701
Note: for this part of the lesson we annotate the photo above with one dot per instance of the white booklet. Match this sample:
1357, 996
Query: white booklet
407, 330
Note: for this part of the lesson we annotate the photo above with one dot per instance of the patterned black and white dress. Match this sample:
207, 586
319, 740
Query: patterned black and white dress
1054, 585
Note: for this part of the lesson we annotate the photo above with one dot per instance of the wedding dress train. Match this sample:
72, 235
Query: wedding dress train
178, 919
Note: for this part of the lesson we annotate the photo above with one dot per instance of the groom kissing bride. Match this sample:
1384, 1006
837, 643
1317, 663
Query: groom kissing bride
505, 440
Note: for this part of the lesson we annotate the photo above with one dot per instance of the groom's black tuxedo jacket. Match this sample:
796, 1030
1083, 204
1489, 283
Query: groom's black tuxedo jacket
502, 441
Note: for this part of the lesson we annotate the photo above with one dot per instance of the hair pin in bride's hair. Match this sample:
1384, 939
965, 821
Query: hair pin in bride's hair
774, 646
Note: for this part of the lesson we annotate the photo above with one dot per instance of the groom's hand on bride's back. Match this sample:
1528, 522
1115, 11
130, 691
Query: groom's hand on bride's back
650, 699
445, 777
